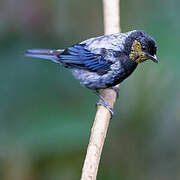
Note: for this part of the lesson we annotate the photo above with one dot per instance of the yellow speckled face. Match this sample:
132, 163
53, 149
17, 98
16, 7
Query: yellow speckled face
136, 53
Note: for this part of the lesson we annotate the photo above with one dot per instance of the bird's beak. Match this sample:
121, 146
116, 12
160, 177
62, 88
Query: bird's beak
153, 58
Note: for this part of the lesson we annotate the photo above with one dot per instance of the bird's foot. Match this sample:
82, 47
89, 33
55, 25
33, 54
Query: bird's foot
116, 89
104, 103
108, 107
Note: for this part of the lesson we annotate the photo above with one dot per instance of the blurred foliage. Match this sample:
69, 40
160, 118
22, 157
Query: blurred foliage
46, 116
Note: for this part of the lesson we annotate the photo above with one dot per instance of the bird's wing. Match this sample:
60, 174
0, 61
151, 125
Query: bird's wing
78, 56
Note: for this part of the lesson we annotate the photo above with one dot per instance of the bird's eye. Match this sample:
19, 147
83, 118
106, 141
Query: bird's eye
143, 47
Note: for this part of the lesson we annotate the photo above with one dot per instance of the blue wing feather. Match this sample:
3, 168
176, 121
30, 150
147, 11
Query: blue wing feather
78, 56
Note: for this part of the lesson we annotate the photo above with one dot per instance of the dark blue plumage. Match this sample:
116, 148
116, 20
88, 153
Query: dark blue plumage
79, 57
103, 61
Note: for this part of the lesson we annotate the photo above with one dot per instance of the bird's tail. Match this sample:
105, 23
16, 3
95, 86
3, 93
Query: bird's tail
44, 54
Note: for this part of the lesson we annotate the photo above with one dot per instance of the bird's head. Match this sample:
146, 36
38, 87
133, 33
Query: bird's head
141, 47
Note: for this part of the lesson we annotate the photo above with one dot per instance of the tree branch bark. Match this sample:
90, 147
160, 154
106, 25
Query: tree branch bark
102, 118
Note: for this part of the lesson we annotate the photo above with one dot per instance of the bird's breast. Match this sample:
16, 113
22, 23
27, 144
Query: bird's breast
119, 71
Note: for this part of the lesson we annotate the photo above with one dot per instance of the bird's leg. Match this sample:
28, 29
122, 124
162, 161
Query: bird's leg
116, 89
104, 103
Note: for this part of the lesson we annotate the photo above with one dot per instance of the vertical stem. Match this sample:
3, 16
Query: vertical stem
102, 118
111, 16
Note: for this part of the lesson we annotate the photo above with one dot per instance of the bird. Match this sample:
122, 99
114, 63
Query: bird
104, 61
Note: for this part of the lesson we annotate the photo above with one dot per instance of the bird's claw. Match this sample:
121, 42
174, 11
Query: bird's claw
116, 89
108, 108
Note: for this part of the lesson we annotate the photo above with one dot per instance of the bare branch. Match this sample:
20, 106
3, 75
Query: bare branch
102, 118
111, 16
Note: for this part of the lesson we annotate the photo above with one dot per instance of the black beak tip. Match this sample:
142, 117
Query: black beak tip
154, 59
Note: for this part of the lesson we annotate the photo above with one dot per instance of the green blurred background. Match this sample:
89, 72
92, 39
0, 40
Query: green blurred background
46, 116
